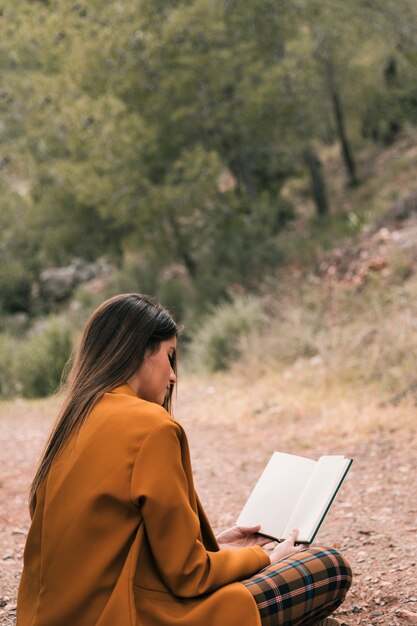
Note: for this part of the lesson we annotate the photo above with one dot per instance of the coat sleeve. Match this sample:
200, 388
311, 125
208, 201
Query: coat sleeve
160, 486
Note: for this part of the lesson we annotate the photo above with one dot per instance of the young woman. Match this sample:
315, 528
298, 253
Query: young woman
118, 536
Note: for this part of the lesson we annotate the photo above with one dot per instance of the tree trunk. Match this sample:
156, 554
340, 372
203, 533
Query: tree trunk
339, 116
347, 153
245, 178
181, 246
318, 184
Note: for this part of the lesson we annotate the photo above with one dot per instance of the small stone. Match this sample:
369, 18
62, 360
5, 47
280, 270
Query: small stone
408, 615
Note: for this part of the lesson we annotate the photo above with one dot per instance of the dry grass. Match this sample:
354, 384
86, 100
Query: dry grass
299, 399
302, 407
385, 173
329, 360
20, 409
343, 337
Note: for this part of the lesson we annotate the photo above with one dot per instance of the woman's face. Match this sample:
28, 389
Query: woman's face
155, 376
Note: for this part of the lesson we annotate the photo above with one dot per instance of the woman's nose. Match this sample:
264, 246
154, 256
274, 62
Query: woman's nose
172, 377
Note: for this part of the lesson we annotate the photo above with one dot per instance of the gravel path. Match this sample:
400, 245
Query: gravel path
373, 520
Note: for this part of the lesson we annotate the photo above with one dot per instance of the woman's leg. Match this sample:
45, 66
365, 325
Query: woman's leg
302, 589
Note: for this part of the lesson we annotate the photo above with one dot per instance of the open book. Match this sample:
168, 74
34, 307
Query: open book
294, 492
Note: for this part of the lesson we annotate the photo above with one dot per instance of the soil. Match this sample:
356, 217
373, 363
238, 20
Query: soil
373, 520
388, 247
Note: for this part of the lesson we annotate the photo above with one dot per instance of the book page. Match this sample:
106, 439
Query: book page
276, 493
317, 495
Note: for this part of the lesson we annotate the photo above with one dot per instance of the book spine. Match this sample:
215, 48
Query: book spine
331, 501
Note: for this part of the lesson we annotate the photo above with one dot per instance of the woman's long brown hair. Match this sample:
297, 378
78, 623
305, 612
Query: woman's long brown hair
112, 348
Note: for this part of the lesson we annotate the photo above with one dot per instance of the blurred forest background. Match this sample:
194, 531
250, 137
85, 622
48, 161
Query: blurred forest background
251, 164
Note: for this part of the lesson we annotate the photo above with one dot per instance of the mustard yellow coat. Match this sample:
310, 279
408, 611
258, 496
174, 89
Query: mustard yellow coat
119, 537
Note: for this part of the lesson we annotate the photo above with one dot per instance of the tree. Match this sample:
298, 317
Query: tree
122, 119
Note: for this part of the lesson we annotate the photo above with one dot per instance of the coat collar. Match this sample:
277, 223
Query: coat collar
126, 390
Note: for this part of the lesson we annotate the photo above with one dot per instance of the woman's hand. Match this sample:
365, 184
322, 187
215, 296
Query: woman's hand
241, 537
285, 548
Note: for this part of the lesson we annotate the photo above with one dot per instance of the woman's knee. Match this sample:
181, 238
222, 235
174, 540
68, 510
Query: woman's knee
338, 567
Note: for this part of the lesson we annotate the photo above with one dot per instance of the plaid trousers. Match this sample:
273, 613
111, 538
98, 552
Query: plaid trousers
302, 589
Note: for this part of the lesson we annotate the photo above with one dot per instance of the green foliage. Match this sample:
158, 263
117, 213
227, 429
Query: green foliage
135, 275
18, 246
120, 121
8, 385
40, 359
176, 294
225, 333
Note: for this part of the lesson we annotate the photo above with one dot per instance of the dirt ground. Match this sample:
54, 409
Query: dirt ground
373, 519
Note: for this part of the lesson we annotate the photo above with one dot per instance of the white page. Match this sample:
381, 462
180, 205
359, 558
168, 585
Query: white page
276, 493
317, 495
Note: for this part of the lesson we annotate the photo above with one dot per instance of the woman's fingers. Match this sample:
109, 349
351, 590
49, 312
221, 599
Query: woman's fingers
293, 536
287, 547
249, 530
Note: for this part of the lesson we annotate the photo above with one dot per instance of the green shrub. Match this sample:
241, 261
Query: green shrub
176, 294
7, 361
221, 337
41, 358
14, 325
15, 285
134, 276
